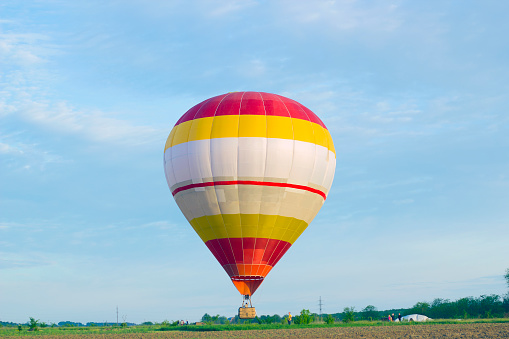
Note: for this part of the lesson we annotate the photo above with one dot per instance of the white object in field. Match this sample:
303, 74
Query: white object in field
415, 317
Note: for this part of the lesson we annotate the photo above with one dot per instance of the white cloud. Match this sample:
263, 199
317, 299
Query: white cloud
25, 156
96, 126
403, 202
23, 49
222, 8
8, 149
344, 15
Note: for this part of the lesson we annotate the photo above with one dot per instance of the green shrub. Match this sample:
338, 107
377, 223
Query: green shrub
33, 325
329, 319
304, 318
348, 314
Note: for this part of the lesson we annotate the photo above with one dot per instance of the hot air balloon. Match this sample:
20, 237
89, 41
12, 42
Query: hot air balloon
250, 171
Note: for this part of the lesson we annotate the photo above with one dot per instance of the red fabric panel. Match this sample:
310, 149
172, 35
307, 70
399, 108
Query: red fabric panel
279, 251
248, 251
230, 105
248, 245
225, 246
278, 254
189, 115
274, 106
261, 244
252, 103
236, 244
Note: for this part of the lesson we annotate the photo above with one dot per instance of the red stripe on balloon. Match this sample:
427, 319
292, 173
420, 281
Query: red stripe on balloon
248, 182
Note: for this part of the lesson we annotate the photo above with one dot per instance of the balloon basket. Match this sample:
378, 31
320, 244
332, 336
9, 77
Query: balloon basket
247, 313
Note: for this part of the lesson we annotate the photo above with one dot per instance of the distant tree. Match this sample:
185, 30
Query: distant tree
370, 313
20, 328
33, 325
206, 318
420, 308
348, 314
329, 319
148, 323
506, 276
276, 318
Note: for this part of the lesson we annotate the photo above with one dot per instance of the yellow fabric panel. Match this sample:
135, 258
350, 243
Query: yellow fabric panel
303, 131
169, 141
248, 226
320, 135
182, 133
280, 126
201, 129
330, 144
260, 126
225, 126
253, 126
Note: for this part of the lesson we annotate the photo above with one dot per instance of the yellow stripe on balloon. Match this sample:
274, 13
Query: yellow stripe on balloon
248, 226
234, 126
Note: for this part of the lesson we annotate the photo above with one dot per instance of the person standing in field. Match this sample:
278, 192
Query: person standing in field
289, 318
399, 317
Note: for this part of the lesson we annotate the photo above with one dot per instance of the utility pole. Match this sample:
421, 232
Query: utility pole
117, 315
320, 304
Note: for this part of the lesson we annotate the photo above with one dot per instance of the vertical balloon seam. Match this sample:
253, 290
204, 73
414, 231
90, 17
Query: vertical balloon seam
262, 190
211, 171
279, 208
314, 162
288, 176
215, 190
278, 213
264, 176
237, 177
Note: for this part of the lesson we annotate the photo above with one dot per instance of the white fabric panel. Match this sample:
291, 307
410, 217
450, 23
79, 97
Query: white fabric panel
199, 160
302, 164
299, 204
168, 168
331, 168
320, 165
224, 156
250, 198
279, 158
252, 155
181, 167
230, 194
220, 157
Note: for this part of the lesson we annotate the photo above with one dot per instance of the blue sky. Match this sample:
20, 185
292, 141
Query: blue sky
415, 95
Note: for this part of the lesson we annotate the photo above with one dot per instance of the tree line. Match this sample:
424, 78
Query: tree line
485, 306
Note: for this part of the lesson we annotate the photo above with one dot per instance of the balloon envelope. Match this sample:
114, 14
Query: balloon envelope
249, 170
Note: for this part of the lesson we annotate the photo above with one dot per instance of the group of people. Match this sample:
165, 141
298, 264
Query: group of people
391, 317
182, 323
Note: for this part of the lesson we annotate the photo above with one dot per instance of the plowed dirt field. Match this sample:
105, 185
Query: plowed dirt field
463, 331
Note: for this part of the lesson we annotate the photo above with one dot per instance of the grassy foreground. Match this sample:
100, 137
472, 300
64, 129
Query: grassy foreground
12, 331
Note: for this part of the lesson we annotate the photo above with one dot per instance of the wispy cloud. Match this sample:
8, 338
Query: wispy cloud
19, 155
23, 49
96, 126
10, 261
344, 15
222, 8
